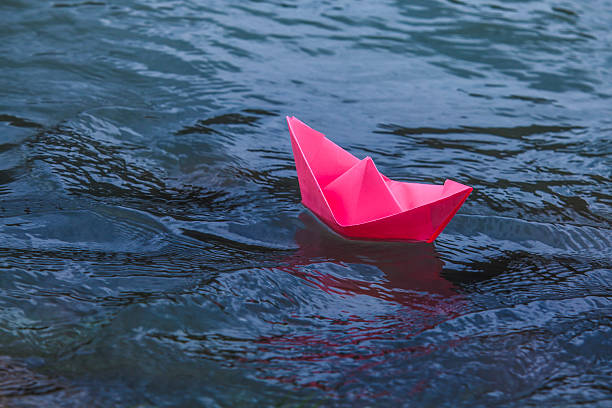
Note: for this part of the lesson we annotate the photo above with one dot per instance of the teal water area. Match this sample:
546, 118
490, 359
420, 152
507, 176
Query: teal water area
154, 251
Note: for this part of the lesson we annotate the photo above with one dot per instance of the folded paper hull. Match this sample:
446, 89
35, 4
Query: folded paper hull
354, 199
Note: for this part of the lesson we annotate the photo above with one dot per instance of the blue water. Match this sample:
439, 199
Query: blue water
154, 251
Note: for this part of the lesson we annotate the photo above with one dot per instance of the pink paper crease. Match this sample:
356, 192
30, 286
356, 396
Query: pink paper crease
354, 199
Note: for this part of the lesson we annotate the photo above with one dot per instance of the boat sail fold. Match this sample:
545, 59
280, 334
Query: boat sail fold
354, 199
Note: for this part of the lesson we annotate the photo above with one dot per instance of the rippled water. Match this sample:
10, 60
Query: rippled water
154, 251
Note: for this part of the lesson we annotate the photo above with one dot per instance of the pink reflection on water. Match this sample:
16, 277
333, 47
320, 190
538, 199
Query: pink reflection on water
412, 271
346, 350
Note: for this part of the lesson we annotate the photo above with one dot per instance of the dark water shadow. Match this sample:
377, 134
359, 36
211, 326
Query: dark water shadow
22, 386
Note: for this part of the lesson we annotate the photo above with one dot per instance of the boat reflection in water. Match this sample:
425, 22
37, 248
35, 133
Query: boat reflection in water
411, 271
382, 297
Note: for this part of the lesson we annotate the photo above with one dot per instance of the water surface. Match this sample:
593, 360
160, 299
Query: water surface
154, 251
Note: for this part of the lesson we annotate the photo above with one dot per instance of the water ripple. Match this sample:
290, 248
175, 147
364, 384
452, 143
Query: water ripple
154, 251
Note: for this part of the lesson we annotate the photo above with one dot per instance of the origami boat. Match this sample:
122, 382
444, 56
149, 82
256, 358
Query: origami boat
354, 199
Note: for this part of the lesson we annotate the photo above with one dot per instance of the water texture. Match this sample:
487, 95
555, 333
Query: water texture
154, 251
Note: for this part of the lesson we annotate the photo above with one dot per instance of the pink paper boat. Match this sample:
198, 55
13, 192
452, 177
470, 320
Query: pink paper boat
357, 201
